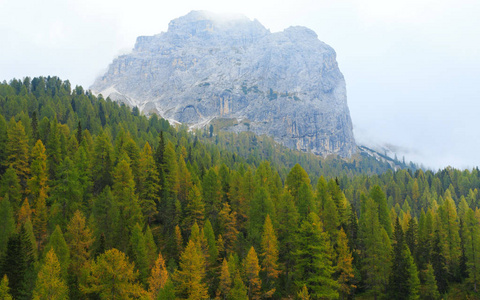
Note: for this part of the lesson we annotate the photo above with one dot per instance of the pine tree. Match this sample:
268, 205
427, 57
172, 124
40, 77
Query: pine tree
252, 270
3, 145
17, 150
344, 267
62, 252
303, 293
111, 276
50, 282
439, 264
102, 163
40, 219
471, 232
314, 260
212, 194
7, 223
10, 184
269, 256
376, 253
68, 192
239, 290
14, 265
124, 191
450, 232
158, 278
195, 210
151, 248
380, 199
79, 240
287, 237
429, 289
398, 286
330, 218
260, 206
106, 214
4, 289
189, 278
38, 171
228, 227
139, 253
148, 184
225, 284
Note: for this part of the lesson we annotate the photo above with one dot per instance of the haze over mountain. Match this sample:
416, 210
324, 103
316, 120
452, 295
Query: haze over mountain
235, 73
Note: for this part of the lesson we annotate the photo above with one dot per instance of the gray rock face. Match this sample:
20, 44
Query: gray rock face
208, 66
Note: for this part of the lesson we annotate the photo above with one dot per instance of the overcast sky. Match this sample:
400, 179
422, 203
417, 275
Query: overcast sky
412, 67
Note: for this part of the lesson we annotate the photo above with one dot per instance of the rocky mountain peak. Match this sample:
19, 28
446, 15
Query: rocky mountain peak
209, 67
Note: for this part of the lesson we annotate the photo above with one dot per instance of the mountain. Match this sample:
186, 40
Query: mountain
234, 73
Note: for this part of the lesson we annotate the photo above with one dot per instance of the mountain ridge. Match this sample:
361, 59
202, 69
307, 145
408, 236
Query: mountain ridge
285, 84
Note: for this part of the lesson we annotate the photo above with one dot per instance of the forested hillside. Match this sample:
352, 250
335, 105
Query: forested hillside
100, 202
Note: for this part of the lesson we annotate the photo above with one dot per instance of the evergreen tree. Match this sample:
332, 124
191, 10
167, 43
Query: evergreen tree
212, 194
252, 269
62, 252
111, 276
139, 253
239, 290
40, 219
4, 289
398, 286
295, 178
471, 232
79, 240
344, 268
195, 210
303, 293
14, 265
225, 284
3, 145
380, 199
102, 163
106, 214
148, 185
10, 184
228, 227
158, 278
189, 278
314, 260
260, 206
38, 170
151, 248
50, 282
7, 223
287, 237
430, 290
269, 256
376, 254
17, 151
439, 265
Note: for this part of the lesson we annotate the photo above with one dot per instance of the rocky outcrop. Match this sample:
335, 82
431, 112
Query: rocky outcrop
206, 66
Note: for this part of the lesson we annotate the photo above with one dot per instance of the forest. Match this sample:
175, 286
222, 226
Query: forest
98, 201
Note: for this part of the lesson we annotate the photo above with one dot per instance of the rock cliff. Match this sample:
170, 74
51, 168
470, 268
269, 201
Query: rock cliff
208, 67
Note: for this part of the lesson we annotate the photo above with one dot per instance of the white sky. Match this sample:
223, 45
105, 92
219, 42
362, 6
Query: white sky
412, 67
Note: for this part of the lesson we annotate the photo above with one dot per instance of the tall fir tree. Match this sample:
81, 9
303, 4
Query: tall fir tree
112, 276
4, 289
252, 270
344, 267
314, 260
190, 277
17, 151
269, 254
7, 223
50, 282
